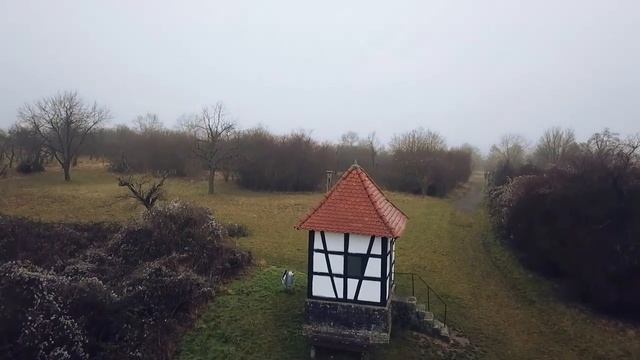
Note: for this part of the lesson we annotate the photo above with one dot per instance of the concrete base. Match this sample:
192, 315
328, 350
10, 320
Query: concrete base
346, 326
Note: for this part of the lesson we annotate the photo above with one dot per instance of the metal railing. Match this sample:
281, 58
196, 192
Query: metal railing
430, 293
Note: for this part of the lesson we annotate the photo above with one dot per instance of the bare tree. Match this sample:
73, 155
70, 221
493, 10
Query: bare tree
148, 123
144, 189
214, 139
63, 121
608, 149
350, 138
5, 151
554, 146
419, 140
373, 145
510, 150
5, 147
477, 160
27, 147
417, 156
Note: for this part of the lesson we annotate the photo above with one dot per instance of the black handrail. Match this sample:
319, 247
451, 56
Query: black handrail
429, 291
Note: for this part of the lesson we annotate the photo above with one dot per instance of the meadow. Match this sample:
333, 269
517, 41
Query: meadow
505, 311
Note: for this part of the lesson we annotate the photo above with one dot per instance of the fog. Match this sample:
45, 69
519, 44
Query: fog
471, 70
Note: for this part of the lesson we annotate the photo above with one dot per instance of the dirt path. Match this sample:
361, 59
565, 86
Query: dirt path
472, 197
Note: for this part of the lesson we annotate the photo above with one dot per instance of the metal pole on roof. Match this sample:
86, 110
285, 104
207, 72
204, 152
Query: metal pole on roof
329, 176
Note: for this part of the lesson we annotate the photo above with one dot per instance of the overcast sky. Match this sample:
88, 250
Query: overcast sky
471, 70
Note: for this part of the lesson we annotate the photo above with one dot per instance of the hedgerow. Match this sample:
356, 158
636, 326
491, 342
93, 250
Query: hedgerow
580, 223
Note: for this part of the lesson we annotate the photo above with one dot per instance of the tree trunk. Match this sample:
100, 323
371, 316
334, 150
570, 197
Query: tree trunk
212, 175
67, 172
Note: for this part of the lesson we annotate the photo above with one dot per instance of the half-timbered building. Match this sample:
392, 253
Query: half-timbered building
352, 235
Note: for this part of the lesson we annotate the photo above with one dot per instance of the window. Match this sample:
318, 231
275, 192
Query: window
355, 266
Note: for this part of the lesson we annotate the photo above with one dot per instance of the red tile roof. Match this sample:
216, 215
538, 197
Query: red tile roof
356, 205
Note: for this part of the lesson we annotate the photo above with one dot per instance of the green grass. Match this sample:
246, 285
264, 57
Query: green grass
255, 318
507, 312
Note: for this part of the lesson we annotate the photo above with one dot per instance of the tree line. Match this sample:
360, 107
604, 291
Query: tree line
64, 127
571, 210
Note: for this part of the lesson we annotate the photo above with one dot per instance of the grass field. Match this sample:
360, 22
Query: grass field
505, 311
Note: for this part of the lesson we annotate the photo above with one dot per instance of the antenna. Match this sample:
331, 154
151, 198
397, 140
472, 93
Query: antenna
329, 178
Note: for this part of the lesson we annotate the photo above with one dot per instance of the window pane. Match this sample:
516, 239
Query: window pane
355, 266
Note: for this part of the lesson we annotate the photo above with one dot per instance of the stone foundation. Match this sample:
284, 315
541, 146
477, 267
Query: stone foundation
345, 325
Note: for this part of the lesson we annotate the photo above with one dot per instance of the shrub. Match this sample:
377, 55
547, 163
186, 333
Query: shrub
172, 228
294, 162
421, 164
159, 297
236, 230
28, 167
96, 291
33, 314
150, 150
48, 244
580, 223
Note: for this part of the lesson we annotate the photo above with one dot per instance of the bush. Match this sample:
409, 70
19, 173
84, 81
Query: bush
172, 228
152, 150
99, 291
34, 317
293, 162
580, 223
236, 230
28, 167
49, 244
160, 297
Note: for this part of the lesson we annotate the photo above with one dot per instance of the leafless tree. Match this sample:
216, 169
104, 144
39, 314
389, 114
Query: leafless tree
5, 147
63, 121
607, 148
418, 158
144, 189
350, 138
477, 160
214, 139
419, 140
148, 123
510, 150
554, 146
5, 152
26, 147
373, 145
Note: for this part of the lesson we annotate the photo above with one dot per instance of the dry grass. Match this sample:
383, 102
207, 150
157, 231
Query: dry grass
502, 308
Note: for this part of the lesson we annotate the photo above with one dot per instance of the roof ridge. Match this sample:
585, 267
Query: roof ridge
375, 206
326, 196
355, 204
383, 194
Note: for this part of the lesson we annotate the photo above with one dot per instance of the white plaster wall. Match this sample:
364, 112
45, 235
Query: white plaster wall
319, 263
377, 245
335, 241
358, 244
322, 286
337, 264
369, 291
339, 286
352, 284
373, 267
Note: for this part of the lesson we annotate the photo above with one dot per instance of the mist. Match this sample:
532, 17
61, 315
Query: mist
466, 69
